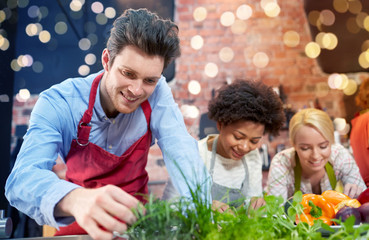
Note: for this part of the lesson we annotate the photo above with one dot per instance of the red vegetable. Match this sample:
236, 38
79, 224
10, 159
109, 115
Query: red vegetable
364, 196
364, 211
346, 212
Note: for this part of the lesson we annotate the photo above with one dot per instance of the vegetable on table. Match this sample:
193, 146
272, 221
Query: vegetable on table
334, 197
316, 207
364, 212
347, 203
364, 196
346, 212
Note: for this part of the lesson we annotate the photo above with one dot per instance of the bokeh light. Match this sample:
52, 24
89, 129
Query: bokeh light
97, 7
190, 111
352, 26
355, 6
211, 70
329, 41
339, 123
44, 36
312, 50
291, 38
75, 6
351, 88
83, 70
101, 19
2, 16
197, 42
238, 27
340, 6
90, 59
24, 94
327, 17
226, 54
332, 79
272, 9
260, 60
15, 66
84, 44
244, 12
314, 17
61, 28
33, 11
194, 87
227, 19
360, 17
110, 12
37, 67
44, 11
23, 3
4, 43
364, 59
200, 14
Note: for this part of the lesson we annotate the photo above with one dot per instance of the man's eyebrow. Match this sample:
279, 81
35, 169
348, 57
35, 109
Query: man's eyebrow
135, 72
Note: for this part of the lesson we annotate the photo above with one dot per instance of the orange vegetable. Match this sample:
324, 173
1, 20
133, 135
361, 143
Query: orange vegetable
350, 203
334, 197
316, 207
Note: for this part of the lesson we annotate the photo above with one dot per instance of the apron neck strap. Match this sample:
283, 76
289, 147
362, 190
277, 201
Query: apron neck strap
213, 155
83, 127
298, 172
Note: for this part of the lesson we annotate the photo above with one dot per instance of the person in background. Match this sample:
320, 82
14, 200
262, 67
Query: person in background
244, 111
102, 126
359, 136
315, 163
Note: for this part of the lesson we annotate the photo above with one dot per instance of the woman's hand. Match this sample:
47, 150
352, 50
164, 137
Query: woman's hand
352, 190
220, 207
256, 202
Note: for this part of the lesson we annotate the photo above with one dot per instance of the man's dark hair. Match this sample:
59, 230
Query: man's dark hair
248, 101
146, 31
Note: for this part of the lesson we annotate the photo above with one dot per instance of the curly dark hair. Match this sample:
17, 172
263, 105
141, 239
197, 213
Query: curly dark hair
248, 101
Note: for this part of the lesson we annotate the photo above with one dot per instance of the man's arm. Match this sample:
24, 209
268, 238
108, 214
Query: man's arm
179, 148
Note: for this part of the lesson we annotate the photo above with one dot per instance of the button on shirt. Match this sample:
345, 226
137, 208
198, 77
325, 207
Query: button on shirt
53, 126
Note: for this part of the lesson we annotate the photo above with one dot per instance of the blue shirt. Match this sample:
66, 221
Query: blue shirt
35, 190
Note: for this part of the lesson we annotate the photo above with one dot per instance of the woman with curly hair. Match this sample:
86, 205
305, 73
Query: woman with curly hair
244, 111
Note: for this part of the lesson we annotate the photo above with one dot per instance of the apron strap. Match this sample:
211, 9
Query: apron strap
331, 175
212, 162
328, 168
84, 128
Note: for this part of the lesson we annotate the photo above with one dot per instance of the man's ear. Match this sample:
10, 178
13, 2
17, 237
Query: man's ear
105, 57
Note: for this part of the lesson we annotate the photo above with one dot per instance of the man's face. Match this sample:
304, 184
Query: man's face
129, 81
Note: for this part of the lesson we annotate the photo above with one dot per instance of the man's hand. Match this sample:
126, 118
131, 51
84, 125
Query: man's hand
103, 207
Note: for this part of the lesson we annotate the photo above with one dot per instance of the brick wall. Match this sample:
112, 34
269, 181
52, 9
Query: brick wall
287, 66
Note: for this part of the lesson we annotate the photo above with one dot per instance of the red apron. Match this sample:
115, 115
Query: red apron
90, 166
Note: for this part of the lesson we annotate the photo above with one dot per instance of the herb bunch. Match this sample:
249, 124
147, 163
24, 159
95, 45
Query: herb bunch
184, 219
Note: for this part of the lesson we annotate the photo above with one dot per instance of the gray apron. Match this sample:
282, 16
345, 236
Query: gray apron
231, 196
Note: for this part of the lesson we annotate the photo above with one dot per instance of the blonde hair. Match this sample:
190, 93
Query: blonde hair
313, 118
362, 98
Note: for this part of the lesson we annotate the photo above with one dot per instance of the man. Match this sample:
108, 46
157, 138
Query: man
103, 126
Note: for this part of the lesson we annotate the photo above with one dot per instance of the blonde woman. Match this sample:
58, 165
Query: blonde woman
314, 163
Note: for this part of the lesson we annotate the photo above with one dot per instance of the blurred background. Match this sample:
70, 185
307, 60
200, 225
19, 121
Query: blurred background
313, 53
